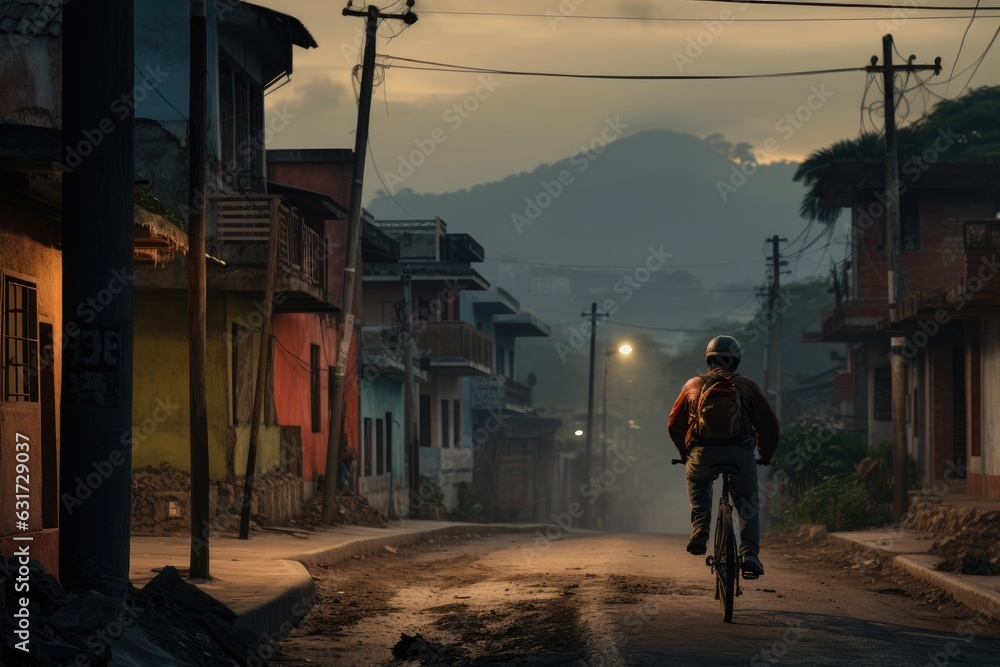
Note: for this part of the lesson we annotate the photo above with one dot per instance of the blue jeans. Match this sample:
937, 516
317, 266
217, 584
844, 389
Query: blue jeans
746, 498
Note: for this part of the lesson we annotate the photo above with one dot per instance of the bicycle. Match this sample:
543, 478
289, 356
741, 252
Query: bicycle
725, 559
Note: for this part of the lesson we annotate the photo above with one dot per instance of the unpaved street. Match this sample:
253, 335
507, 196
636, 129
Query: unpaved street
627, 600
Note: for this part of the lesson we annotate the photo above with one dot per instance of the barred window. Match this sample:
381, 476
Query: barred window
20, 341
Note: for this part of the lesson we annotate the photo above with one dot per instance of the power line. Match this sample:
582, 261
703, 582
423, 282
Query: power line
853, 5
592, 17
432, 66
618, 268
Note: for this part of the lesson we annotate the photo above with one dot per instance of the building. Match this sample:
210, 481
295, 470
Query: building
250, 52
948, 317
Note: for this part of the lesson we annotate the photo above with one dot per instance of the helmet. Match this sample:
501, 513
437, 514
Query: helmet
725, 351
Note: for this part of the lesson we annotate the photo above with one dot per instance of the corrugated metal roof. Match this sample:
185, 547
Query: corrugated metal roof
31, 19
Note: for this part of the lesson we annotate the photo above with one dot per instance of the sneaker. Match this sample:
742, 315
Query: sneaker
752, 565
697, 544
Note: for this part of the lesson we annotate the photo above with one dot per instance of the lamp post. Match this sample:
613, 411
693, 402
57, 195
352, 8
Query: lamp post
624, 350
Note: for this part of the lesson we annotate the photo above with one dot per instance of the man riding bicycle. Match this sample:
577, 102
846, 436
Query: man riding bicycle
720, 417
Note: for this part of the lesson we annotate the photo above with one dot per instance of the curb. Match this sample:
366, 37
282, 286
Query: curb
982, 599
274, 618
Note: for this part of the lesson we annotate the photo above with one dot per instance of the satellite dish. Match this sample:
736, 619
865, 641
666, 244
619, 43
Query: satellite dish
532, 380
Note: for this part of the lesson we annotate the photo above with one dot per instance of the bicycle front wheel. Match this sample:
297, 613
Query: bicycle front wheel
726, 562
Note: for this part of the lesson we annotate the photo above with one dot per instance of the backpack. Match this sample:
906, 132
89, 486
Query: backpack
719, 411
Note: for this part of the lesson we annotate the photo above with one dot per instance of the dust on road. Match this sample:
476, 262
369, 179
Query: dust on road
614, 600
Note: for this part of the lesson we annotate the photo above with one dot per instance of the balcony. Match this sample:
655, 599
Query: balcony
977, 292
454, 347
242, 232
499, 392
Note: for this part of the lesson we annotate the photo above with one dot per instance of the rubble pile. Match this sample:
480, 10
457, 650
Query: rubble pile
971, 536
349, 509
167, 622
161, 500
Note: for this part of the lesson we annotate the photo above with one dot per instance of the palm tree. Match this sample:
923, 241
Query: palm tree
968, 123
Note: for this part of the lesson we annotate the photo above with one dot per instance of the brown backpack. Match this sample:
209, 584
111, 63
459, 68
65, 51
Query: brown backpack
719, 411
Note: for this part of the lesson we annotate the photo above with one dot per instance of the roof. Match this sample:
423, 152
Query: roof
842, 181
31, 19
250, 15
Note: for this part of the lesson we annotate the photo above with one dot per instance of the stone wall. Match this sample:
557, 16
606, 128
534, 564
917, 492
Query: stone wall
161, 501
970, 536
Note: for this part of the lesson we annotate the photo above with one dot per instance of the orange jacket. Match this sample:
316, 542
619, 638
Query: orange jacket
756, 410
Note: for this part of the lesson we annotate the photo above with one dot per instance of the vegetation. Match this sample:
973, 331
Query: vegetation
967, 126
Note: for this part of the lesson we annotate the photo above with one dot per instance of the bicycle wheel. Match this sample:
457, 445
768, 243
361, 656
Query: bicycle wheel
726, 562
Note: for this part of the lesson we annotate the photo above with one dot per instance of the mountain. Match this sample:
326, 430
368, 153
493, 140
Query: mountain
649, 190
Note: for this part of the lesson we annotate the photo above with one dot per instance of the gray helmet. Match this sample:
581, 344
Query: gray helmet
725, 351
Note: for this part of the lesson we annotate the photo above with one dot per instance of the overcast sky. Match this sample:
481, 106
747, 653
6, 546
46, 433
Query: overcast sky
506, 124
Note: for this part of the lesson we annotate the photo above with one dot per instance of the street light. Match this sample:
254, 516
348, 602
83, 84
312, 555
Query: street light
624, 349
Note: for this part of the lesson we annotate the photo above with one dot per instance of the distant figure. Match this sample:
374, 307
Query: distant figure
721, 417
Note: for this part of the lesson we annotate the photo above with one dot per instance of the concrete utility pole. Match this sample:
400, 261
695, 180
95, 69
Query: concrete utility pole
97, 235
352, 264
197, 290
776, 264
900, 498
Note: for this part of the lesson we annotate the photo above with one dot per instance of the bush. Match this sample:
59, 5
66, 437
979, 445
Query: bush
840, 502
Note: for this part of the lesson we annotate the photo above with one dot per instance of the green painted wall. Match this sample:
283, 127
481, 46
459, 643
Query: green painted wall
379, 396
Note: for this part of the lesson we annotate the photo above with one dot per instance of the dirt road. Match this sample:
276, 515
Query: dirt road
627, 600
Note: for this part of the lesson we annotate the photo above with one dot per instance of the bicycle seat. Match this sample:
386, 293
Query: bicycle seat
725, 469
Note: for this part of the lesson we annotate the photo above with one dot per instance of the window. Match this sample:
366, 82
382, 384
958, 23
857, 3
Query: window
20, 341
380, 446
241, 128
445, 440
457, 412
425, 421
367, 444
242, 342
314, 391
388, 442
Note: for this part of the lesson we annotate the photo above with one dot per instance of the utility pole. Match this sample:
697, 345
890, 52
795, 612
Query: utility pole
197, 290
776, 264
97, 237
352, 264
900, 498
588, 462
411, 443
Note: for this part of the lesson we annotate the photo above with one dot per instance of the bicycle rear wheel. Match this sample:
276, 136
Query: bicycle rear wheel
726, 562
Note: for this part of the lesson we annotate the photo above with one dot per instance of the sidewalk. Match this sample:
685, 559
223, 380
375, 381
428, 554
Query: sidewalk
264, 579
910, 550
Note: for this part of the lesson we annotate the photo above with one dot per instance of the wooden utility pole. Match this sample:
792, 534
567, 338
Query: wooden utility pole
197, 290
589, 460
411, 441
776, 264
900, 498
263, 358
352, 264
97, 236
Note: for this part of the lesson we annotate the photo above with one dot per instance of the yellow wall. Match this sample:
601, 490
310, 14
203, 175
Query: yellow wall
161, 416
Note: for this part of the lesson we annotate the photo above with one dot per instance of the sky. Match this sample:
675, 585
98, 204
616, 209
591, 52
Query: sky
442, 131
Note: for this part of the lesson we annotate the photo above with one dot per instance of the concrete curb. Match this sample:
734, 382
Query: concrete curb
274, 617
368, 546
979, 593
984, 599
